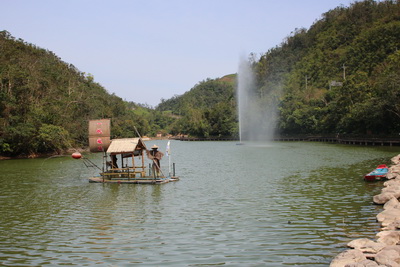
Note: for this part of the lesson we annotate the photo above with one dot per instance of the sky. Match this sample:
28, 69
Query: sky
147, 50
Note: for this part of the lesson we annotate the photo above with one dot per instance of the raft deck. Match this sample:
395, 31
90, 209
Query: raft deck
99, 179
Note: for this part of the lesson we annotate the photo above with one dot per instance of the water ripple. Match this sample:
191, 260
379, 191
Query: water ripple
282, 204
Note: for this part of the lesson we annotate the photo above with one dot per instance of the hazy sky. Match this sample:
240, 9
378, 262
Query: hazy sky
151, 49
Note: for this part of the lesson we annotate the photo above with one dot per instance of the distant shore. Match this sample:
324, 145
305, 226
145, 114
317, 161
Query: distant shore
67, 152
349, 140
339, 139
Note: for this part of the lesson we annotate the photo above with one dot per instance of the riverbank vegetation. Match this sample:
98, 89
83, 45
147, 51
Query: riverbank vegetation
341, 75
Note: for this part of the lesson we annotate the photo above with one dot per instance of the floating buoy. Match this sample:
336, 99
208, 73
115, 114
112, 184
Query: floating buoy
76, 155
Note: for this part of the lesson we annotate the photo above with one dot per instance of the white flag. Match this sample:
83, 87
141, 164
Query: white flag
168, 149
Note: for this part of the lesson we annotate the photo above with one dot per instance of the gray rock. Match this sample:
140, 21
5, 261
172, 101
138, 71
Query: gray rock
366, 245
396, 248
388, 237
396, 160
366, 263
392, 183
394, 169
388, 257
393, 203
392, 189
391, 175
382, 198
349, 256
392, 226
388, 216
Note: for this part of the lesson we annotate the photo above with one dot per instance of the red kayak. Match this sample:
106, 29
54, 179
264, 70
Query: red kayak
378, 174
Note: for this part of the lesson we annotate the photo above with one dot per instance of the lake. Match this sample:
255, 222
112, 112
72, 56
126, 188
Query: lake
273, 204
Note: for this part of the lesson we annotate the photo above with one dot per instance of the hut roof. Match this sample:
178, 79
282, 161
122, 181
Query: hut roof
125, 145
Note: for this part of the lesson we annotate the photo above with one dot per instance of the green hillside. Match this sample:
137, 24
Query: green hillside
208, 109
340, 76
45, 103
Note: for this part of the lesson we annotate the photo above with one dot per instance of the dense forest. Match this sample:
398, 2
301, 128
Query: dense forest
341, 75
208, 109
45, 103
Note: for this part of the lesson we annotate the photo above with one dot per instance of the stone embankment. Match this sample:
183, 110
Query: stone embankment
385, 249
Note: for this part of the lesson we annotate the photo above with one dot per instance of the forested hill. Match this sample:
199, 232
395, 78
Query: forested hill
45, 103
341, 75
208, 109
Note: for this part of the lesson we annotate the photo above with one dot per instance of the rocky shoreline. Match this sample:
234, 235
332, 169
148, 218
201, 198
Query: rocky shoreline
384, 250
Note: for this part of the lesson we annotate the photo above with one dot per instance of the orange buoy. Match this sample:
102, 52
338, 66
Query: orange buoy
76, 155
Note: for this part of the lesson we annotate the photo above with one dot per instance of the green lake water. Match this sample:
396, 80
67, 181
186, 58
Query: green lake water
274, 204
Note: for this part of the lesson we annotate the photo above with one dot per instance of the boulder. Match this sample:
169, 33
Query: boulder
394, 189
396, 248
393, 203
396, 160
387, 193
392, 226
394, 169
388, 216
389, 256
391, 175
392, 183
366, 245
349, 256
382, 198
389, 238
366, 263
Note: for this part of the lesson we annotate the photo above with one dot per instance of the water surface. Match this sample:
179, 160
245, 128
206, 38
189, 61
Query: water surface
283, 203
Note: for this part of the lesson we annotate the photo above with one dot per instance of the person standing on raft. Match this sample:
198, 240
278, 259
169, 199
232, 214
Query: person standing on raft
155, 156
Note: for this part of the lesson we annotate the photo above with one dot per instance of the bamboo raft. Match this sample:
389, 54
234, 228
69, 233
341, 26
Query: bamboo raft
124, 159
100, 179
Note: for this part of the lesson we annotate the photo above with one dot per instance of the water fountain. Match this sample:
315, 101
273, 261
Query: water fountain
257, 110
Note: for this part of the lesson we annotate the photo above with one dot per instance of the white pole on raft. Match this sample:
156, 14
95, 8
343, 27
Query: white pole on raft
168, 152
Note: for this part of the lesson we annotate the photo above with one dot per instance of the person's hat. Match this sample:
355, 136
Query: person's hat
154, 147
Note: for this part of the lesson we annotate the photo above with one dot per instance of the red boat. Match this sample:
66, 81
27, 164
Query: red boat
378, 174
